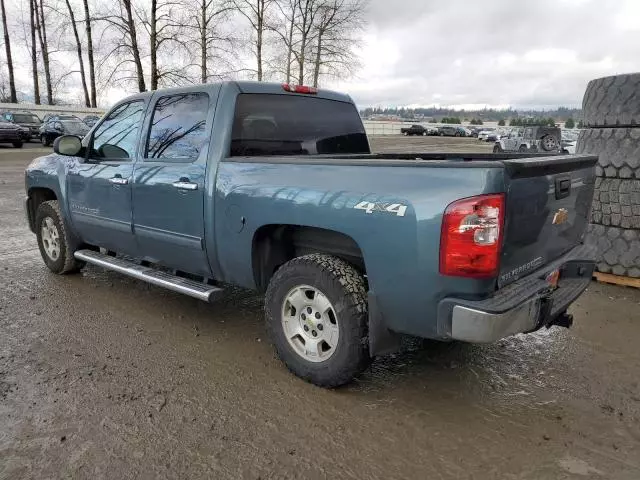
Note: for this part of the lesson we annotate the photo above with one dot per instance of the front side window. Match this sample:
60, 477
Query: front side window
178, 127
117, 136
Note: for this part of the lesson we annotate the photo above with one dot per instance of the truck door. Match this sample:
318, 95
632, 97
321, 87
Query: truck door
99, 188
169, 188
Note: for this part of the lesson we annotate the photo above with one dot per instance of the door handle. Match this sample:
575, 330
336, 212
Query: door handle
185, 184
118, 180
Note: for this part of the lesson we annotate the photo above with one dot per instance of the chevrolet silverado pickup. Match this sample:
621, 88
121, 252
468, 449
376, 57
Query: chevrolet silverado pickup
273, 187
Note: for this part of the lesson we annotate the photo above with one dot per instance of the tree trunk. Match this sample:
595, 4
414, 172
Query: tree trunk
290, 44
153, 38
7, 45
34, 53
83, 78
203, 43
303, 47
44, 48
131, 26
259, 29
316, 70
92, 68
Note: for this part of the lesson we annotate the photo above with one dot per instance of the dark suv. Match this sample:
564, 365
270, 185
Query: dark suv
30, 121
447, 131
58, 125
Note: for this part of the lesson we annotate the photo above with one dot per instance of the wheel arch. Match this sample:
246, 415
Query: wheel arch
35, 197
276, 244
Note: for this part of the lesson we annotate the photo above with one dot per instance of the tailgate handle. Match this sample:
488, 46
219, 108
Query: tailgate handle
563, 187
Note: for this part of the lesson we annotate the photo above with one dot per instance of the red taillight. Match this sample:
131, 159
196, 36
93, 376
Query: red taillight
471, 237
299, 89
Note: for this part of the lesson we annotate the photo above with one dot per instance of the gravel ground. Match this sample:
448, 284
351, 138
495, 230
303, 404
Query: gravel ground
106, 377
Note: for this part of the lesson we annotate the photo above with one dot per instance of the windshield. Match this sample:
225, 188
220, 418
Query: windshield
25, 118
295, 125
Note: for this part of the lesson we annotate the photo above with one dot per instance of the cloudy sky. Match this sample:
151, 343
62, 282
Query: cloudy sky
533, 53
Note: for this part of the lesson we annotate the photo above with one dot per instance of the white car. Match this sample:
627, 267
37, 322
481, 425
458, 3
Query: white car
483, 135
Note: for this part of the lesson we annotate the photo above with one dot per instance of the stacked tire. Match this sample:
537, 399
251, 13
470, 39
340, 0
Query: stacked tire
611, 109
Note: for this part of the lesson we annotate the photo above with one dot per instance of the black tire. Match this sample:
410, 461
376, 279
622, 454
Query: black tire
497, 149
616, 202
612, 101
345, 288
618, 150
551, 146
46, 141
65, 261
17, 144
522, 148
457, 134
618, 249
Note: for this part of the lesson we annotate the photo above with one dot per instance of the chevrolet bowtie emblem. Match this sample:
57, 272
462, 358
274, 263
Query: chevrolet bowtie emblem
560, 216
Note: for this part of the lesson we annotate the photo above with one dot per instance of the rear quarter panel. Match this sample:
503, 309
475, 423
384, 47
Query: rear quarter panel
401, 253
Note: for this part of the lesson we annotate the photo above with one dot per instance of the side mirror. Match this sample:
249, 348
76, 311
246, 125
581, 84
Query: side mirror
69, 145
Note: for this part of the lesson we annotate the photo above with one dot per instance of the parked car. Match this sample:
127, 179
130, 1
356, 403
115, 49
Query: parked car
414, 130
58, 125
451, 131
261, 185
29, 121
11, 133
91, 120
569, 140
530, 139
485, 133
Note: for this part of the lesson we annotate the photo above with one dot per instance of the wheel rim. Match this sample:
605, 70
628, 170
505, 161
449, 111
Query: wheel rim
50, 238
549, 143
310, 323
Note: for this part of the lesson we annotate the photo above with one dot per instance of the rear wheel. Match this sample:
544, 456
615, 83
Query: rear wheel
45, 140
316, 314
522, 148
549, 143
497, 149
17, 144
53, 240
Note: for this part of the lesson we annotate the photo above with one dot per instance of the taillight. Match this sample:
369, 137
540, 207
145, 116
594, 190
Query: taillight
299, 89
471, 237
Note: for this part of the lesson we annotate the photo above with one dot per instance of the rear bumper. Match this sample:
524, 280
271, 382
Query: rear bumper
521, 307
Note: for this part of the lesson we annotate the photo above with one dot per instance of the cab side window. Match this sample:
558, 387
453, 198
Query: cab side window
117, 136
178, 127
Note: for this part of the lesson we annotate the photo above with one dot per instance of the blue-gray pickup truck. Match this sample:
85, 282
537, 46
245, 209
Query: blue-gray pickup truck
273, 187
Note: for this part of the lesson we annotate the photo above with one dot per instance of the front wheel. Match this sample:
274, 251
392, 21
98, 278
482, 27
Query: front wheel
522, 148
17, 144
45, 140
53, 240
316, 314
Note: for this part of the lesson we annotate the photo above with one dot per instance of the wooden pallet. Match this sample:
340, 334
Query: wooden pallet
617, 279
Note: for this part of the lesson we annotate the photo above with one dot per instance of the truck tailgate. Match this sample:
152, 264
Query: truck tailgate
548, 204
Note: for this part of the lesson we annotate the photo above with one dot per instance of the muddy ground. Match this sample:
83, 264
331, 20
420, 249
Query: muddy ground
106, 377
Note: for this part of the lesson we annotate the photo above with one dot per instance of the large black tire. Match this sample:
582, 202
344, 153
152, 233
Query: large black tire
612, 101
522, 148
345, 288
618, 249
46, 141
17, 144
618, 150
616, 202
64, 261
497, 148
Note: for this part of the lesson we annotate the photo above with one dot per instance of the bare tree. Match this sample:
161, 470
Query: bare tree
125, 47
255, 11
83, 78
283, 28
7, 46
215, 43
41, 28
92, 67
34, 52
306, 12
336, 27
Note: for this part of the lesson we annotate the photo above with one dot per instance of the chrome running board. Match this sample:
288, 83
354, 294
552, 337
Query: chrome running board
201, 291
